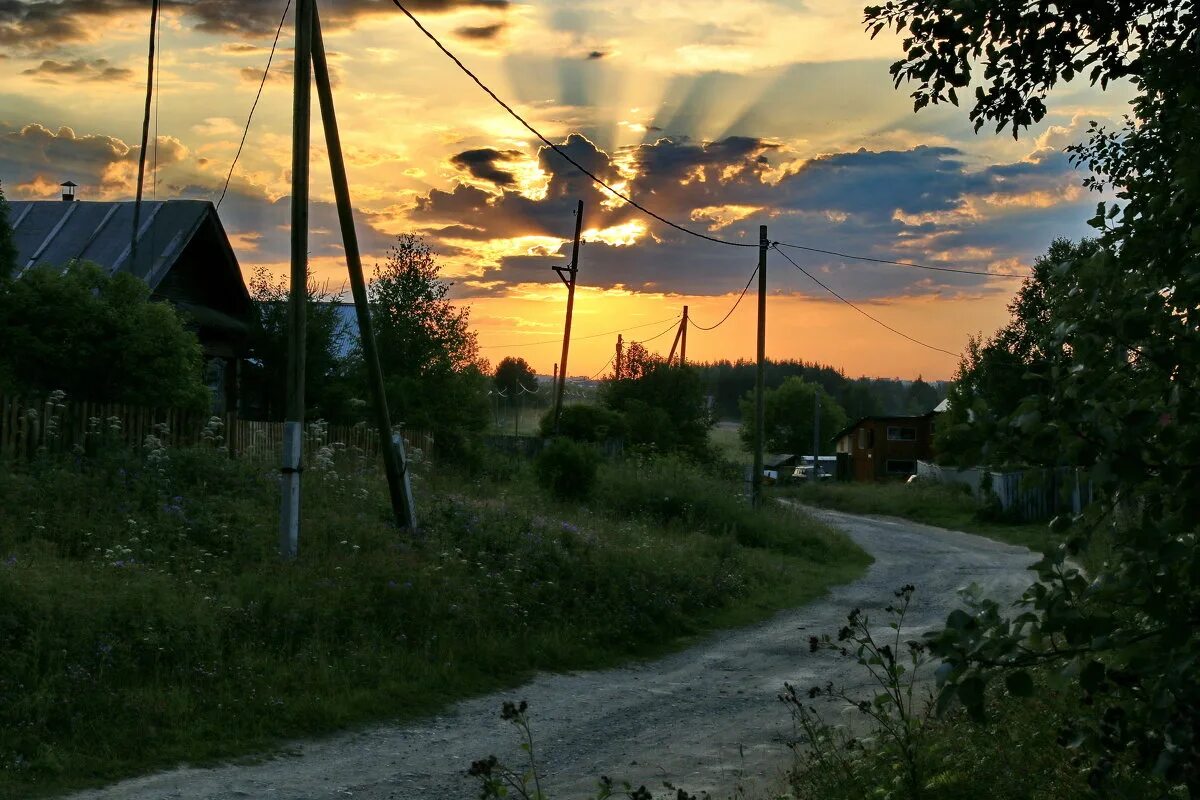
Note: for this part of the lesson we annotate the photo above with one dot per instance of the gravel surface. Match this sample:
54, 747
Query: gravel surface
707, 718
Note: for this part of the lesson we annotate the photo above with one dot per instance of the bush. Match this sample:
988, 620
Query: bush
567, 469
585, 422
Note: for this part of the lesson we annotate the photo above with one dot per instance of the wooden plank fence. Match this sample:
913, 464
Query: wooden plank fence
55, 424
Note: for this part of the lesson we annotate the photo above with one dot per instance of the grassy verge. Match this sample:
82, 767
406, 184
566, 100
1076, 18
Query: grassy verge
145, 619
929, 503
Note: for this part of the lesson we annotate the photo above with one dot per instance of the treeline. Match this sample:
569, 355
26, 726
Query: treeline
727, 382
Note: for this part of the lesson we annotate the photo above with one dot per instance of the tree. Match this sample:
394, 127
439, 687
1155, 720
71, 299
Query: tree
788, 418
97, 337
332, 376
513, 374
664, 406
1115, 390
428, 353
920, 397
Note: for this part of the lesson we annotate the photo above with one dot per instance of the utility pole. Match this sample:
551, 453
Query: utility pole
391, 446
759, 407
817, 433
293, 426
137, 203
619, 356
683, 339
572, 272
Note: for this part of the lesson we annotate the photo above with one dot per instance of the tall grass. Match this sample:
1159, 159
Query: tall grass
145, 618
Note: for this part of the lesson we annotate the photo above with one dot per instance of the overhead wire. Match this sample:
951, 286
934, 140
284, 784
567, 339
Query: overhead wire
728, 313
598, 372
657, 335
254, 105
877, 321
580, 338
912, 264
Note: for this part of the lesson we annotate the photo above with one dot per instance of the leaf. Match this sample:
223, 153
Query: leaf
1019, 683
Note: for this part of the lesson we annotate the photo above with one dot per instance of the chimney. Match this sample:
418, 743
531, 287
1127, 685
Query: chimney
68, 191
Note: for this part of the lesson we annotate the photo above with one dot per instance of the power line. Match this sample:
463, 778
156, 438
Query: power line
579, 338
859, 310
254, 105
732, 308
555, 147
601, 370
898, 263
656, 336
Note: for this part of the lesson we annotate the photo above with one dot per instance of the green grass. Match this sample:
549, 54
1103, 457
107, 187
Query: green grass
929, 503
727, 444
145, 619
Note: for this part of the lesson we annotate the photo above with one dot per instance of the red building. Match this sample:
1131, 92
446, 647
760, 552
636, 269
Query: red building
882, 448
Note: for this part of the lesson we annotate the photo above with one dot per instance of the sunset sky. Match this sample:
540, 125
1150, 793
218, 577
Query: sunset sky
722, 116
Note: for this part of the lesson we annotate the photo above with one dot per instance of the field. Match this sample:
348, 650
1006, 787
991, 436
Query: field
147, 619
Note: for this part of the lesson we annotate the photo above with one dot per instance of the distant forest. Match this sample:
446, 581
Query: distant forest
727, 381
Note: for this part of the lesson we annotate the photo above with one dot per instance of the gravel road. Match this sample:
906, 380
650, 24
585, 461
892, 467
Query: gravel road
707, 718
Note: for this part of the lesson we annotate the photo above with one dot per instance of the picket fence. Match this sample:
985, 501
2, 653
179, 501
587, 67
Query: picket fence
55, 424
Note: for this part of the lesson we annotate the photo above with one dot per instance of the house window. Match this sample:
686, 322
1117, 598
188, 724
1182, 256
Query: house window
862, 438
897, 466
901, 434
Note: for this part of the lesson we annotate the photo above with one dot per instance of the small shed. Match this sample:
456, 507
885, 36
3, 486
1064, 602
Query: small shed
777, 465
183, 254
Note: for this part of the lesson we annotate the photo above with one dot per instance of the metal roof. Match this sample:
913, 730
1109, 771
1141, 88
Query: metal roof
56, 233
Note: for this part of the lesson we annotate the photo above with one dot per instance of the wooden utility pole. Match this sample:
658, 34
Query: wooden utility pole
293, 426
572, 272
683, 339
759, 407
137, 203
392, 446
620, 355
817, 434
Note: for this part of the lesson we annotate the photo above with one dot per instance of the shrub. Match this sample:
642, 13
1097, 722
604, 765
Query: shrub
567, 469
585, 422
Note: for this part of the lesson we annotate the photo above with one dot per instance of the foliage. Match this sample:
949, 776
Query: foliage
147, 619
663, 406
788, 418
428, 353
97, 337
332, 386
900, 714
567, 469
8, 249
1117, 395
727, 382
514, 374
585, 422
497, 780
991, 382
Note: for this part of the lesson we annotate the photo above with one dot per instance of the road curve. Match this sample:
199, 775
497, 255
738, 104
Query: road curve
707, 718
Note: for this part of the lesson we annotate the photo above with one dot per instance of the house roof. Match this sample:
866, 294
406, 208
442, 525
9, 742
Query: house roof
183, 253
880, 418
772, 460
55, 233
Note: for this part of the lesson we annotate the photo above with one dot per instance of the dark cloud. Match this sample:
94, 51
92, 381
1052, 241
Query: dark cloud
480, 31
44, 25
481, 163
79, 69
920, 204
596, 54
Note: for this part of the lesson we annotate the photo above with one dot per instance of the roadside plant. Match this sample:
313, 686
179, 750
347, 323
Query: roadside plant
498, 780
567, 469
900, 711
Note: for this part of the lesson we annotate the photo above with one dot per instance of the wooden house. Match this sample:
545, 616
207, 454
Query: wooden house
183, 254
886, 447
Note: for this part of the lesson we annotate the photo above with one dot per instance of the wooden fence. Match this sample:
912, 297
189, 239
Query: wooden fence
1028, 498
29, 426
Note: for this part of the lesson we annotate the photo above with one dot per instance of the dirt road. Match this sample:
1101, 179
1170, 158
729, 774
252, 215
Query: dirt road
707, 718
